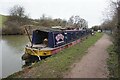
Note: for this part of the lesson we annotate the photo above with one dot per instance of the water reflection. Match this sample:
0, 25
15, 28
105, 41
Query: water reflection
12, 50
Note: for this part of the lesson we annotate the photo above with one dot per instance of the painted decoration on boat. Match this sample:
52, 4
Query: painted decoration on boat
59, 38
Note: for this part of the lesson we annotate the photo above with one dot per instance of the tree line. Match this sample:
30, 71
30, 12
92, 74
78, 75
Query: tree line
17, 19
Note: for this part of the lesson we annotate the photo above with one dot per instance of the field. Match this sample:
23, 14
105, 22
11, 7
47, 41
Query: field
56, 65
2, 20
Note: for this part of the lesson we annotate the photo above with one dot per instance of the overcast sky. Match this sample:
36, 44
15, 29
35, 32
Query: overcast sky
90, 10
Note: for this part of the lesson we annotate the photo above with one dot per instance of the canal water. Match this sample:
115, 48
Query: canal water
11, 50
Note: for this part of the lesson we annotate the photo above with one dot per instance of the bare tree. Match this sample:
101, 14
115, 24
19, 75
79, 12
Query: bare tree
16, 19
77, 22
17, 11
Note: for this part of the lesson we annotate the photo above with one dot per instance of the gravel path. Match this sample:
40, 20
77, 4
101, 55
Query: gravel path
93, 64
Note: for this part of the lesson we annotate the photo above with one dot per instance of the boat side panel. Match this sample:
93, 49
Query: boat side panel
51, 40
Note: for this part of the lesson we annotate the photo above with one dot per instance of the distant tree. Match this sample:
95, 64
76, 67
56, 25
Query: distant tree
71, 21
95, 28
64, 23
16, 19
48, 22
108, 25
77, 22
17, 11
43, 17
17, 14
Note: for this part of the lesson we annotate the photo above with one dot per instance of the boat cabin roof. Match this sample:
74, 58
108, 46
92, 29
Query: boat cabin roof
47, 29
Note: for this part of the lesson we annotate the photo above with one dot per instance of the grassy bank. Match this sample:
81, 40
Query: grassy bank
2, 20
113, 62
56, 65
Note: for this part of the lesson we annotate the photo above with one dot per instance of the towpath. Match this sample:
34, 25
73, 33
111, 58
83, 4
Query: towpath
93, 64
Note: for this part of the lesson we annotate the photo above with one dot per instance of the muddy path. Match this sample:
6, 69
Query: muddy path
93, 64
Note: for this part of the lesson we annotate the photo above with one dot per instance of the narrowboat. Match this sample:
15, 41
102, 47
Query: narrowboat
48, 41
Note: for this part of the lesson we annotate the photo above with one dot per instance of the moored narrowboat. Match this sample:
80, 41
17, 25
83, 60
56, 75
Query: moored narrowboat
47, 42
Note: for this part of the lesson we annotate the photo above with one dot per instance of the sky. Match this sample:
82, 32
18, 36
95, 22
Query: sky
90, 10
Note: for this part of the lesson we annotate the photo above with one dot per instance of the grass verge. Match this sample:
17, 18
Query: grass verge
2, 20
113, 63
56, 65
